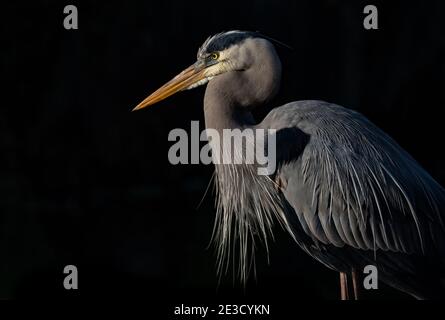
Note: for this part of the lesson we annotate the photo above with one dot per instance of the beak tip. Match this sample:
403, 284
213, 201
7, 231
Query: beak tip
138, 107
181, 82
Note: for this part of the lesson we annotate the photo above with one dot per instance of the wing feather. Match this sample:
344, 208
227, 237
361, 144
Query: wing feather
353, 185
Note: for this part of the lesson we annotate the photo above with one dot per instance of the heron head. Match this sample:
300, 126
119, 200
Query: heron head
221, 53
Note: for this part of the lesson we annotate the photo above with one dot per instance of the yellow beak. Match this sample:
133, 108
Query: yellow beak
186, 78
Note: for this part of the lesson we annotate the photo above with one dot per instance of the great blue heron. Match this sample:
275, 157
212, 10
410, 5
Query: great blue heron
347, 193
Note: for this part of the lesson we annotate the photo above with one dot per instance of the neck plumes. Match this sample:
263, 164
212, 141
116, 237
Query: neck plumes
247, 203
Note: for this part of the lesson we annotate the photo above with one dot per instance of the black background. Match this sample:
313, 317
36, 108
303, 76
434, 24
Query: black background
84, 181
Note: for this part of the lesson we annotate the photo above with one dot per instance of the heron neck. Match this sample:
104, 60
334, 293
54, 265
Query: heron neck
230, 96
222, 111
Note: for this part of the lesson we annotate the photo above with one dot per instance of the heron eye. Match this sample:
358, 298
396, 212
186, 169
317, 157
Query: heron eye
214, 56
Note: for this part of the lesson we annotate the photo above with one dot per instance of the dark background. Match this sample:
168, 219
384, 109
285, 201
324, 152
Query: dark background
84, 181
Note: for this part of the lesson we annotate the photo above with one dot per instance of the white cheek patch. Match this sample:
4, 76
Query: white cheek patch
199, 83
222, 66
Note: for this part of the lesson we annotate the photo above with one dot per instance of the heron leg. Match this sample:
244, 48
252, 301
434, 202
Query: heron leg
344, 286
355, 284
